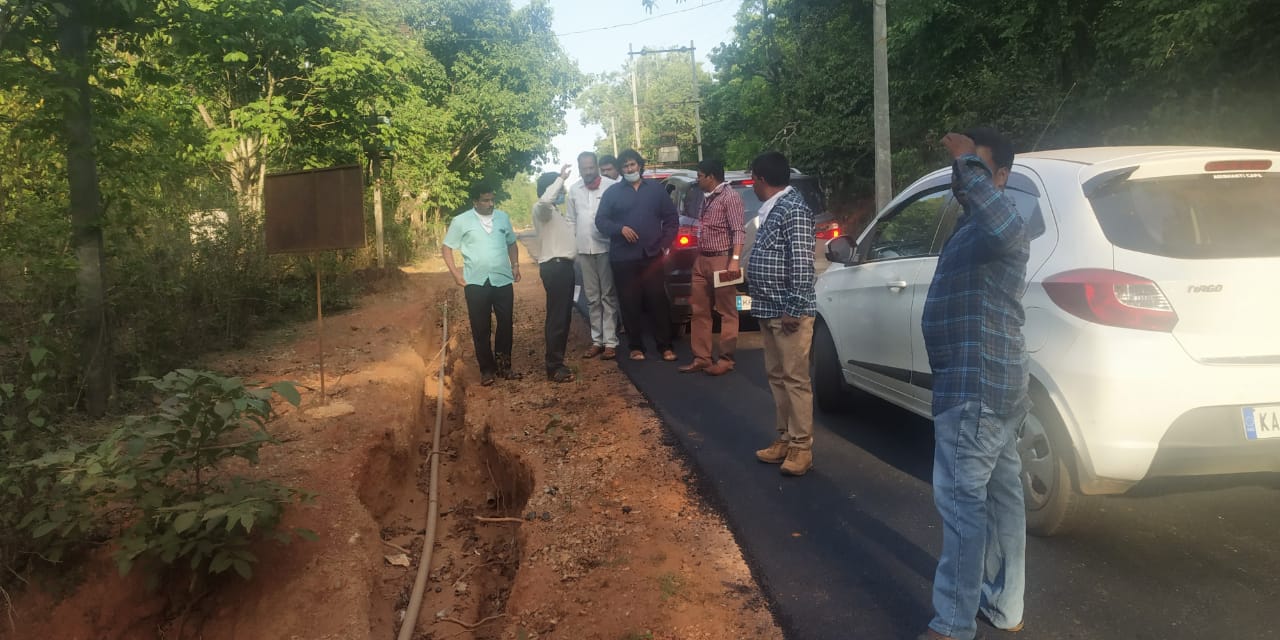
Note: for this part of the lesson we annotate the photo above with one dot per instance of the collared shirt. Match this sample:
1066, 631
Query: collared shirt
554, 232
484, 253
973, 315
581, 205
767, 207
720, 225
780, 267
648, 210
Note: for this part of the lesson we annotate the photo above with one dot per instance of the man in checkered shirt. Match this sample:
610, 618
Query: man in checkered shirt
780, 281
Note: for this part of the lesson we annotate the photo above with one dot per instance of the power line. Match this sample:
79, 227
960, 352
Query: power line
632, 24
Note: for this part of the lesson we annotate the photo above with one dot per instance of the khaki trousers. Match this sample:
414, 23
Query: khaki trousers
786, 361
704, 290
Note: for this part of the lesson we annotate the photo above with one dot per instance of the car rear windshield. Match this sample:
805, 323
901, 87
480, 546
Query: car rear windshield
806, 186
1194, 217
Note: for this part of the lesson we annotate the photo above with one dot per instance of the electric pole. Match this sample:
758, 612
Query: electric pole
880, 60
635, 101
697, 101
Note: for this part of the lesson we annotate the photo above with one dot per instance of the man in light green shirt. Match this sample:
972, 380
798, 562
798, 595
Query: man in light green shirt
491, 263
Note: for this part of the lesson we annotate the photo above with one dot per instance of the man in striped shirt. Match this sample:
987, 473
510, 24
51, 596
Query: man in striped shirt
720, 238
972, 327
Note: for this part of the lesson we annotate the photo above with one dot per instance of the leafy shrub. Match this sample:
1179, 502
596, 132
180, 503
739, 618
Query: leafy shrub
166, 476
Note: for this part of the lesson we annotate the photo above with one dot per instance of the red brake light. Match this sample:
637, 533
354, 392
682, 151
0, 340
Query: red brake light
686, 238
745, 183
1238, 165
1112, 298
828, 231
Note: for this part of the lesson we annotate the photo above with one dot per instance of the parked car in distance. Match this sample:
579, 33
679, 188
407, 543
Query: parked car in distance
1151, 308
688, 197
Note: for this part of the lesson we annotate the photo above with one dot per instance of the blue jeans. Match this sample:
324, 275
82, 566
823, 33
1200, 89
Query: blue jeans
978, 492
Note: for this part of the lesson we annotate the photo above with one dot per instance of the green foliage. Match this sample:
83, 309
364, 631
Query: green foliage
664, 91
798, 77
166, 476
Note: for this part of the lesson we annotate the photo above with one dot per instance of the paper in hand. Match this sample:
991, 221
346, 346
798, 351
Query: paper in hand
720, 278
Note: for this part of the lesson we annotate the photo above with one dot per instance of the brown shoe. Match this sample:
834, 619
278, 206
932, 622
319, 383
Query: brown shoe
777, 452
933, 635
609, 353
594, 351
799, 462
695, 366
721, 367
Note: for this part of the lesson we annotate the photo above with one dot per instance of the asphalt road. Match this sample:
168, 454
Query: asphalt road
848, 551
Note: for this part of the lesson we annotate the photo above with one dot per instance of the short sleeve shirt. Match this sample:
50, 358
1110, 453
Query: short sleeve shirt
484, 253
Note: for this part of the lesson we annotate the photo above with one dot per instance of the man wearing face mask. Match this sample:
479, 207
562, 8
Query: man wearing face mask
581, 206
720, 238
640, 221
972, 327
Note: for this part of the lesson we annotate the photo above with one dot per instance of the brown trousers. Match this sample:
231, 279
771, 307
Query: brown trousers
786, 360
704, 291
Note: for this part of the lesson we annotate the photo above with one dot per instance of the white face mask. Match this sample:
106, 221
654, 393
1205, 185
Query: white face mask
632, 177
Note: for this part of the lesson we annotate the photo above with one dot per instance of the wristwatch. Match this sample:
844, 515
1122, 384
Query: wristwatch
735, 257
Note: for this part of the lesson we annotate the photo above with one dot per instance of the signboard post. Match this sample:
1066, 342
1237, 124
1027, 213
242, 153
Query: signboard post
313, 211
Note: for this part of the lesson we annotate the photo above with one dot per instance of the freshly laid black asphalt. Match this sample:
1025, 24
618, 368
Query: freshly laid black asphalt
848, 551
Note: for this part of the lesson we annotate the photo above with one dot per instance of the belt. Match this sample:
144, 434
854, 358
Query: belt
713, 254
548, 260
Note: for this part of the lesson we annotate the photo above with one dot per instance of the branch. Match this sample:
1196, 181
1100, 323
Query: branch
513, 520
204, 115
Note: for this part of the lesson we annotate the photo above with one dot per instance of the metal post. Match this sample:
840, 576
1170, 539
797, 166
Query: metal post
324, 396
635, 100
697, 101
377, 207
884, 158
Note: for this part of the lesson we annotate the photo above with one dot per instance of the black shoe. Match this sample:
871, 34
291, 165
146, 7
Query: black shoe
486, 379
563, 374
504, 369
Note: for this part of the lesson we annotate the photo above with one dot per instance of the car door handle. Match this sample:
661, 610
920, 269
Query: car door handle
896, 285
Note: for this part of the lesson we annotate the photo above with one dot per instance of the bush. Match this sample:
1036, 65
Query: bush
165, 476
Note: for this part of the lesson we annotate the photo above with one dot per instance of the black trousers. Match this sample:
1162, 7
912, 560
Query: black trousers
484, 301
640, 286
557, 280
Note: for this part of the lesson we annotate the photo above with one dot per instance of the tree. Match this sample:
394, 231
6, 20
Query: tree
665, 94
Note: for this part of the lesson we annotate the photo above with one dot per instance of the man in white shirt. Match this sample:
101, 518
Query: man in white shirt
593, 257
557, 248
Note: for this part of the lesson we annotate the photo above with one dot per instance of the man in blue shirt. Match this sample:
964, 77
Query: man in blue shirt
491, 263
973, 333
640, 221
780, 281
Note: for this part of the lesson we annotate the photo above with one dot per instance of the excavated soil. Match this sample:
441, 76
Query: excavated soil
564, 512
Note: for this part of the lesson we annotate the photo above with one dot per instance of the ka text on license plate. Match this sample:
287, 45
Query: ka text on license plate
1262, 422
744, 303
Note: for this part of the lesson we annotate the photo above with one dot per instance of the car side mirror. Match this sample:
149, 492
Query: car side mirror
842, 250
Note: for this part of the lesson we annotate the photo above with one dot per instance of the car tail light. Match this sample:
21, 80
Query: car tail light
1238, 165
686, 238
1112, 298
828, 230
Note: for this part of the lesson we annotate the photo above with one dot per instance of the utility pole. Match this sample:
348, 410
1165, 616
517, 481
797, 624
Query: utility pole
613, 132
697, 101
884, 157
377, 208
635, 101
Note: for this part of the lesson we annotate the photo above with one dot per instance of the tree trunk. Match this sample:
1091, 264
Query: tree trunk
74, 39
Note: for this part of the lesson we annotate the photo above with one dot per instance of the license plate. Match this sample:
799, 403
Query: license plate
1262, 422
744, 303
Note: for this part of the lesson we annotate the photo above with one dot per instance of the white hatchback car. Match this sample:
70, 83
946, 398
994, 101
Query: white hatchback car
1152, 315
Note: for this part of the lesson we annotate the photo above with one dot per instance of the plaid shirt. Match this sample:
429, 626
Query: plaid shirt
720, 225
973, 316
780, 267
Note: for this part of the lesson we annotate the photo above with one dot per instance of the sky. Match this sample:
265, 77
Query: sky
596, 33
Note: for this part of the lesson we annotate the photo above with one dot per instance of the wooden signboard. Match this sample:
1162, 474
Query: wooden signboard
315, 210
